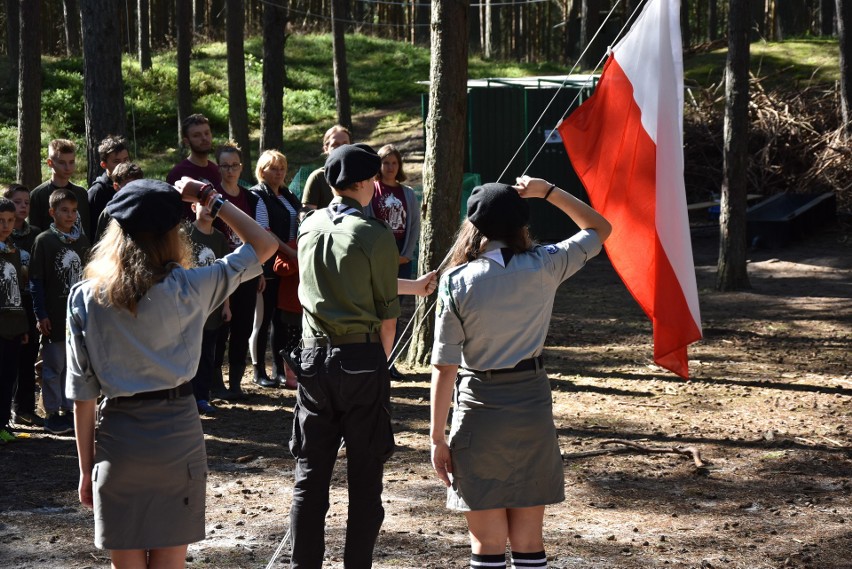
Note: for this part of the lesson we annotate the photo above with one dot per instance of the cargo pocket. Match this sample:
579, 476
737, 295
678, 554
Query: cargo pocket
310, 394
382, 444
471, 461
196, 487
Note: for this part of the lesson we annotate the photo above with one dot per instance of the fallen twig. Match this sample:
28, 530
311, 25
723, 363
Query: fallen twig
627, 446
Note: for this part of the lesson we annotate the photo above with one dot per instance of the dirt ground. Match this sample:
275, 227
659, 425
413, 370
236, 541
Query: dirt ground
768, 409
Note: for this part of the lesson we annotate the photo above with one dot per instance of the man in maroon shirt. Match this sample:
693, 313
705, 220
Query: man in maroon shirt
196, 133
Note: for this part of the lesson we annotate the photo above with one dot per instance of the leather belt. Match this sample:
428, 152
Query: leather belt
173, 393
523, 365
364, 338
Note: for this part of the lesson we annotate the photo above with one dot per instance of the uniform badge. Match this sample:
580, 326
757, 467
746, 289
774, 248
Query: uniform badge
552, 249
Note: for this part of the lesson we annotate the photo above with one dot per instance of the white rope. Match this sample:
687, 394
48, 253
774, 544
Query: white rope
556, 94
582, 86
422, 301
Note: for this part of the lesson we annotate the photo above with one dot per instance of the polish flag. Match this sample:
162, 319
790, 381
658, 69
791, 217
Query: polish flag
626, 145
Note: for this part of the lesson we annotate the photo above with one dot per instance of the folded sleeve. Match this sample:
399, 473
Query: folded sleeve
567, 257
384, 266
81, 382
449, 332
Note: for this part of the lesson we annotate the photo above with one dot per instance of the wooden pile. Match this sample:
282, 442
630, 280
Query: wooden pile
795, 144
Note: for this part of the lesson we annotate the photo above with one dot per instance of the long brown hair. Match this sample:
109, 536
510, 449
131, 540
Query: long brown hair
470, 243
123, 268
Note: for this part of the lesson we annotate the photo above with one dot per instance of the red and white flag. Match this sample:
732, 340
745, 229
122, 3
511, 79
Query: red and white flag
626, 145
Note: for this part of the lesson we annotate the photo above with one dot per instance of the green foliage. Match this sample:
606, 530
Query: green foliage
787, 64
382, 73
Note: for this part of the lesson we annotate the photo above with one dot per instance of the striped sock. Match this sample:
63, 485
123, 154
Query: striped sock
528, 560
497, 561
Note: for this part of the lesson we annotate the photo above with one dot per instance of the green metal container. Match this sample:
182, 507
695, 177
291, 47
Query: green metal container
510, 131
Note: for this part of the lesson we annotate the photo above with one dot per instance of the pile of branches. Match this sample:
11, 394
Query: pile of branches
795, 143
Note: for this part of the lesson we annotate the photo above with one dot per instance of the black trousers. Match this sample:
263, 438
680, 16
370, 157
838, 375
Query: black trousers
344, 393
203, 379
24, 398
234, 335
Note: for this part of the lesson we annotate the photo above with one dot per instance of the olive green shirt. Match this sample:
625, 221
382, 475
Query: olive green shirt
347, 272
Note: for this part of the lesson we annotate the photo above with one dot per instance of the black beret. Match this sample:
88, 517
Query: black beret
497, 210
351, 163
148, 206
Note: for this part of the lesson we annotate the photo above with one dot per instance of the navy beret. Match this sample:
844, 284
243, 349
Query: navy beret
146, 206
351, 163
497, 209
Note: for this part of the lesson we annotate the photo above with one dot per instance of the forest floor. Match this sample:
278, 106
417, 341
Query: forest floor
768, 410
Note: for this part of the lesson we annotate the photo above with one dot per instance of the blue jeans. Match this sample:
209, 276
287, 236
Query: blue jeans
344, 393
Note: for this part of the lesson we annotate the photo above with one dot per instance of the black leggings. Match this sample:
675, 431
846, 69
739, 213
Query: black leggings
235, 334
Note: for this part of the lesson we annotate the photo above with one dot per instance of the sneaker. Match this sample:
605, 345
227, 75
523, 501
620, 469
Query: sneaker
57, 425
7, 435
205, 408
27, 419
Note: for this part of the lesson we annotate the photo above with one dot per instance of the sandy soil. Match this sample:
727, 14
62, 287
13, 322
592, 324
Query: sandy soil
768, 409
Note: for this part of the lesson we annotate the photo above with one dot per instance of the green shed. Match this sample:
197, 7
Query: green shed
511, 127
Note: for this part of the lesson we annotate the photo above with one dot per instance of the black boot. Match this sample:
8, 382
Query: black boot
235, 378
217, 386
260, 377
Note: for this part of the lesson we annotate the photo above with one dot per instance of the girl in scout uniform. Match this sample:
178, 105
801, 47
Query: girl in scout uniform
502, 463
134, 337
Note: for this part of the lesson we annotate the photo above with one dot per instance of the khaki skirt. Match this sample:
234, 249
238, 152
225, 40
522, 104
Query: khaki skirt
503, 443
150, 474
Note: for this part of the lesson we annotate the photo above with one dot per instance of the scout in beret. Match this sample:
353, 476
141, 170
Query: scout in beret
348, 290
501, 463
134, 338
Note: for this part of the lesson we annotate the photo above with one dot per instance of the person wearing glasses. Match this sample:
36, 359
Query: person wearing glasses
277, 211
234, 335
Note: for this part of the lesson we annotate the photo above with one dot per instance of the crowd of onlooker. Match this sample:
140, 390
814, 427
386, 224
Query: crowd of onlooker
46, 235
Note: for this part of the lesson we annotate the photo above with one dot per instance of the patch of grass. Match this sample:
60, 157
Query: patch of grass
788, 64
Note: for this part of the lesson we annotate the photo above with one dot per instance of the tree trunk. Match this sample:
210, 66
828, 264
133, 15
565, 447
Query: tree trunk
686, 31
826, 17
487, 32
237, 103
13, 41
143, 29
217, 10
274, 71
844, 27
712, 20
199, 17
183, 15
588, 26
444, 161
103, 85
72, 27
732, 273
341, 72
29, 94
421, 22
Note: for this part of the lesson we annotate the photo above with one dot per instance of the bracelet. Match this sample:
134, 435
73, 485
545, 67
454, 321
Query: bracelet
204, 194
550, 189
218, 202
